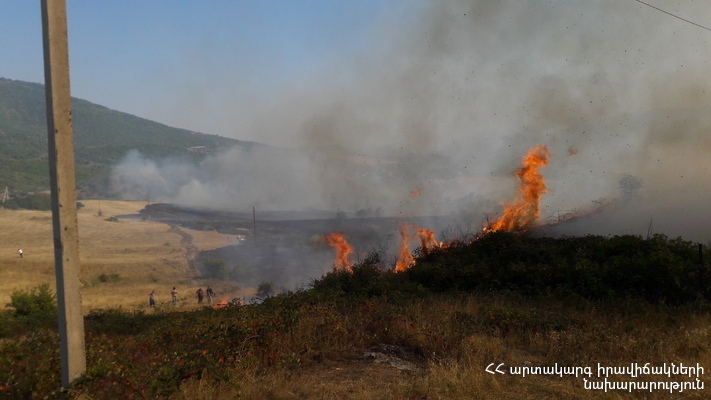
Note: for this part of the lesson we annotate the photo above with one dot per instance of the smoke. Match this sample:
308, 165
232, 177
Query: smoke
447, 101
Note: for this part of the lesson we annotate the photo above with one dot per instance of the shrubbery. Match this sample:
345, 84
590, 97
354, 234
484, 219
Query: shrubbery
40, 300
595, 267
30, 201
149, 355
31, 309
657, 269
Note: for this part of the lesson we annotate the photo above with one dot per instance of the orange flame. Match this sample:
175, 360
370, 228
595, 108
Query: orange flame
405, 259
222, 304
427, 240
520, 215
343, 250
416, 191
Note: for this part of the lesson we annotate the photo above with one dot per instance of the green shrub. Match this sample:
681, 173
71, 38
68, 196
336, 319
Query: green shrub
39, 300
657, 269
32, 309
363, 279
6, 324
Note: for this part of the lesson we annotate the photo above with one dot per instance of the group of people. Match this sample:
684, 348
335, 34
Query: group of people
174, 294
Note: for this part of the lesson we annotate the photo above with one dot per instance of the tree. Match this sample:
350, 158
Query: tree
629, 185
264, 290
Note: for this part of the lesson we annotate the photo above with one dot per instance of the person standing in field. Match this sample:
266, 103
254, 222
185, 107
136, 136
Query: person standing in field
20, 252
209, 293
152, 298
199, 294
174, 293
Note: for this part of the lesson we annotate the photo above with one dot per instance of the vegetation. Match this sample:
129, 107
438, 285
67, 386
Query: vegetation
106, 278
216, 269
32, 309
264, 290
30, 201
102, 137
657, 269
501, 299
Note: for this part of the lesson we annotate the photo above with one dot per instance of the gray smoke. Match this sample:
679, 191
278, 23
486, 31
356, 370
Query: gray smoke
446, 102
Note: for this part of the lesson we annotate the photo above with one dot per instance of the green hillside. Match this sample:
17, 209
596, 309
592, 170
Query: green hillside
101, 138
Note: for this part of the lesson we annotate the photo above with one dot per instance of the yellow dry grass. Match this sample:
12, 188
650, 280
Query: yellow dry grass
608, 338
210, 240
121, 262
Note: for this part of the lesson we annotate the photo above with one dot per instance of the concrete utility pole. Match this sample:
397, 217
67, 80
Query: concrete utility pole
63, 188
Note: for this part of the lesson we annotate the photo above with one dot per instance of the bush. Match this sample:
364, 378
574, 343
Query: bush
363, 279
656, 269
39, 300
32, 309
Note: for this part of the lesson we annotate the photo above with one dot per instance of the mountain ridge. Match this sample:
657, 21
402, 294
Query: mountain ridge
102, 137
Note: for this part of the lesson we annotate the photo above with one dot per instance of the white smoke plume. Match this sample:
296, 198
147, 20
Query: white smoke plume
446, 103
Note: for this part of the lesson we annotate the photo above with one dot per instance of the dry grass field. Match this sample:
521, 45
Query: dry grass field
121, 260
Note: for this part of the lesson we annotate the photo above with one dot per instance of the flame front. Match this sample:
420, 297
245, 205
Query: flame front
521, 214
427, 240
343, 250
405, 259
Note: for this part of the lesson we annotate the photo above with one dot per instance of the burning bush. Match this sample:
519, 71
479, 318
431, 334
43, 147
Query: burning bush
363, 279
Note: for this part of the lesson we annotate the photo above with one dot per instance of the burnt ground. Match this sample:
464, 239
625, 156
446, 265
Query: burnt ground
287, 249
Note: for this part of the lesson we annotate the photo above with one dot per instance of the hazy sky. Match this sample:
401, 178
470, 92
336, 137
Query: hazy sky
223, 67
161, 59
613, 87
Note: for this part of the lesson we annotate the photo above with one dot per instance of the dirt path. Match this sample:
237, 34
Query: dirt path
191, 251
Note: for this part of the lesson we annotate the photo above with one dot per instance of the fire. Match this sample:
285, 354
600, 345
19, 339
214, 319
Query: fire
427, 240
416, 191
222, 304
521, 214
343, 250
405, 259
226, 302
